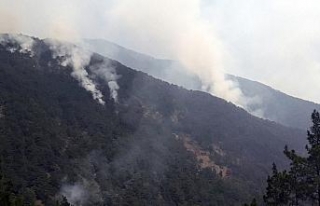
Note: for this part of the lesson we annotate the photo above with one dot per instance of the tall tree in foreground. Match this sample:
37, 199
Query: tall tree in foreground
313, 160
278, 189
301, 184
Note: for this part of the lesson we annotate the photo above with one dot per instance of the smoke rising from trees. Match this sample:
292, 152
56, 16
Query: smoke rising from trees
173, 28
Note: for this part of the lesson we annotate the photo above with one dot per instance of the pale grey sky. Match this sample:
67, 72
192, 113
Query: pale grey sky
276, 42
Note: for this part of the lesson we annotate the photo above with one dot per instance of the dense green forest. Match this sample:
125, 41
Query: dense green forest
58, 144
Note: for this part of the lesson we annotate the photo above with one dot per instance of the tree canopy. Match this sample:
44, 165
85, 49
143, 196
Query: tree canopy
300, 185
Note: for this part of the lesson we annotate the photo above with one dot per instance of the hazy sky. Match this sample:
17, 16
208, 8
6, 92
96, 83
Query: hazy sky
276, 42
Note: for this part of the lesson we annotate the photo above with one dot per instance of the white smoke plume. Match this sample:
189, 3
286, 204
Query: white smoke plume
68, 55
106, 71
78, 59
254, 106
83, 192
113, 85
58, 20
267, 40
176, 29
23, 42
74, 193
86, 190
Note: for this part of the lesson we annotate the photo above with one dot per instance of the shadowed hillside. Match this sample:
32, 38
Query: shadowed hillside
156, 144
271, 104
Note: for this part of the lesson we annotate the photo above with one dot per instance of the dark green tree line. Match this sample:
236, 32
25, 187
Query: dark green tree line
300, 185
8, 196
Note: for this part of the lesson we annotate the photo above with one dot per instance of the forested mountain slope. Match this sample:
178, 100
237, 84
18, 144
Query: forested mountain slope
73, 133
278, 106
271, 104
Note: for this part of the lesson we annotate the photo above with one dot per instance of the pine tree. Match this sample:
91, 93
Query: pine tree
278, 189
301, 184
313, 159
297, 177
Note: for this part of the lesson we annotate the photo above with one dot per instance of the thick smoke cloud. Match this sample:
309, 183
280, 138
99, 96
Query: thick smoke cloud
60, 20
177, 30
76, 193
54, 19
107, 72
171, 28
21, 43
69, 55
267, 40
81, 193
276, 42
78, 59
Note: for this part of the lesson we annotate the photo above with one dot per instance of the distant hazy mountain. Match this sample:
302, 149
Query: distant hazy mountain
63, 132
278, 106
163, 69
272, 104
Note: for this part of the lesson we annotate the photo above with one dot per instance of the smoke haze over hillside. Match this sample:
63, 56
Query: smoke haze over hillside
263, 41
172, 28
276, 42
